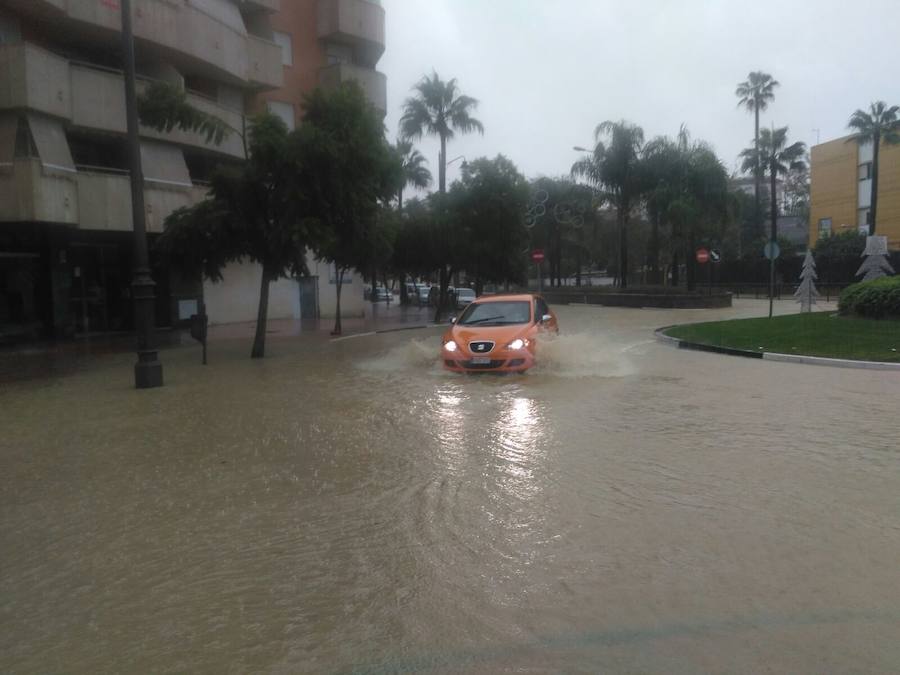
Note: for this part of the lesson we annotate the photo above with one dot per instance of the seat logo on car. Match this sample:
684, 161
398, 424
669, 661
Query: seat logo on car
481, 347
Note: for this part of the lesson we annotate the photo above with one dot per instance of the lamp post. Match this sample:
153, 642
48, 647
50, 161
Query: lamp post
148, 370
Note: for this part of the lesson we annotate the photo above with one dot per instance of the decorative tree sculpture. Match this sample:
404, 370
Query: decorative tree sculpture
875, 264
806, 292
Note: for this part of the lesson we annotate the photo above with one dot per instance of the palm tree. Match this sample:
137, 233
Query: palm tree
774, 155
438, 109
613, 168
754, 94
881, 123
415, 173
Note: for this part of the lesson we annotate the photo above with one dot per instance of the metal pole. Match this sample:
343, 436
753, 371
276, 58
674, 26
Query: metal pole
148, 370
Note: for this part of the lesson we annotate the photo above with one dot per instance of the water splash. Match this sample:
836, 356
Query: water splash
582, 354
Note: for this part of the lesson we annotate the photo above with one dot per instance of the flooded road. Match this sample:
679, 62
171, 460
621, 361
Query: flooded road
349, 507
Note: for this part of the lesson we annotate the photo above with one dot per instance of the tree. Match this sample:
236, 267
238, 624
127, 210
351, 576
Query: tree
776, 157
164, 106
438, 109
880, 124
754, 94
806, 292
347, 169
613, 169
838, 255
489, 204
415, 173
257, 211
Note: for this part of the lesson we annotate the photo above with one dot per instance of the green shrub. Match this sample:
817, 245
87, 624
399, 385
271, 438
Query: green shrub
873, 299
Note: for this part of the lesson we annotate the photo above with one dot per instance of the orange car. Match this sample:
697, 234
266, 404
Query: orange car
497, 334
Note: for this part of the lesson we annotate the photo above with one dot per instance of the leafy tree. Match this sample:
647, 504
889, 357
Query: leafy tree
415, 173
754, 94
164, 106
569, 209
438, 109
613, 169
347, 168
489, 204
838, 255
880, 124
257, 211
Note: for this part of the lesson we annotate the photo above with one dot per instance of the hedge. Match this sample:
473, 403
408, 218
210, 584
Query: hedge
878, 299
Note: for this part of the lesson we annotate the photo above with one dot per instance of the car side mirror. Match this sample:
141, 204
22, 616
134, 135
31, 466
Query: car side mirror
546, 318
452, 319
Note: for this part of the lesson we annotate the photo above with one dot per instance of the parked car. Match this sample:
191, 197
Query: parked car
464, 297
497, 334
434, 293
423, 292
382, 294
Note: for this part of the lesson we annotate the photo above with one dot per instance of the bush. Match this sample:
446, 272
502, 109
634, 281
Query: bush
873, 299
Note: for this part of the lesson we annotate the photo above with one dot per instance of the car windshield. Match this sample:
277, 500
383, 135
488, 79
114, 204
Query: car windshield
496, 313
466, 293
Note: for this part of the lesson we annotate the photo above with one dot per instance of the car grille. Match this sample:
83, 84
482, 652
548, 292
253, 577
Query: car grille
468, 365
481, 346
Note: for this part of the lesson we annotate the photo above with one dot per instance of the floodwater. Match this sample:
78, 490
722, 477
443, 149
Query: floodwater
348, 507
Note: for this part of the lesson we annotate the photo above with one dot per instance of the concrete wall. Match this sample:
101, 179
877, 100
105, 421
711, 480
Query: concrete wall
235, 299
373, 83
352, 301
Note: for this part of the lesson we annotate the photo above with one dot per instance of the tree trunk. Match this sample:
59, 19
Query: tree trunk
337, 316
400, 201
757, 178
623, 247
443, 283
873, 208
691, 261
404, 296
654, 251
262, 313
676, 270
442, 168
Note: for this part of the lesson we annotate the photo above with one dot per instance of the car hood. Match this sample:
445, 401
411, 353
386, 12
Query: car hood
499, 334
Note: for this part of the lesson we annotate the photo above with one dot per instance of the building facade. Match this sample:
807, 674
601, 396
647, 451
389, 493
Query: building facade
841, 189
65, 198
324, 43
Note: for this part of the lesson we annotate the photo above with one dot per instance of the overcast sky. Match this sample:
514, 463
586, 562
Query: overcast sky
547, 71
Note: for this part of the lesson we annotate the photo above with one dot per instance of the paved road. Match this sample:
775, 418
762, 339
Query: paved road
349, 507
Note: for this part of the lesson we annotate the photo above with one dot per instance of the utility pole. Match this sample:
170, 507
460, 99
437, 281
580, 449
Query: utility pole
148, 370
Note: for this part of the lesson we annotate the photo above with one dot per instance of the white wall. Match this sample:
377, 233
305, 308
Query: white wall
352, 302
235, 299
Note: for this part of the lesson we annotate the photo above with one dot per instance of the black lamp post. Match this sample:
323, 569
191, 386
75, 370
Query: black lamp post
148, 370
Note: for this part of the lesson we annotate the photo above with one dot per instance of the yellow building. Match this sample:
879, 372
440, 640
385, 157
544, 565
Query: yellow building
841, 189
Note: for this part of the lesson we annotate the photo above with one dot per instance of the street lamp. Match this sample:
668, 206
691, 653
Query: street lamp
578, 148
463, 158
148, 370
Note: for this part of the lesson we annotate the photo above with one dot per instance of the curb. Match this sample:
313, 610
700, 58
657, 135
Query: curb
660, 335
386, 330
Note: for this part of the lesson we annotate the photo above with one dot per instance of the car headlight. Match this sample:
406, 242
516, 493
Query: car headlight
518, 343
450, 346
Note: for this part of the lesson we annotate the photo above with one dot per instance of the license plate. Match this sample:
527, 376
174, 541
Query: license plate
481, 360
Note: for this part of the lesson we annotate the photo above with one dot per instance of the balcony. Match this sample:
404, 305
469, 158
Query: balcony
358, 23
213, 40
27, 193
34, 79
264, 66
373, 83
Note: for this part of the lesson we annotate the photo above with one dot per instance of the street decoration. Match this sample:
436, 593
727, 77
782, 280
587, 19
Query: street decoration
875, 264
807, 293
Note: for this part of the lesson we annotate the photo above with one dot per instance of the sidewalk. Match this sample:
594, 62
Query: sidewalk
59, 358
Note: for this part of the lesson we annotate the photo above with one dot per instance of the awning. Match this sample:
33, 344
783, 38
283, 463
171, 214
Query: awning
163, 163
52, 145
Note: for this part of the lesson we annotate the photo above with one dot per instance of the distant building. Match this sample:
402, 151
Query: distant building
841, 189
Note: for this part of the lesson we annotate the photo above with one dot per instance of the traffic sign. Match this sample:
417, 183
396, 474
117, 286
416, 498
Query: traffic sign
702, 256
537, 255
715, 256
772, 250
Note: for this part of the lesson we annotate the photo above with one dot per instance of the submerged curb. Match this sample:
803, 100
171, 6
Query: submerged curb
397, 329
773, 356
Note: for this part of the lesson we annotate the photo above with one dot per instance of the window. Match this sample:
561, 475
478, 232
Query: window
824, 227
283, 40
865, 171
283, 110
864, 218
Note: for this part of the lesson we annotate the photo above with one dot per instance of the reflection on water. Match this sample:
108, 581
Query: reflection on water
351, 507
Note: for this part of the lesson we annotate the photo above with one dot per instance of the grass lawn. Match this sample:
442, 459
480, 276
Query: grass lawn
816, 334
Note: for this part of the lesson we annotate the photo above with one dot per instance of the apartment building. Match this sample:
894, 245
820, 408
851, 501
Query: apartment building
841, 189
324, 44
65, 198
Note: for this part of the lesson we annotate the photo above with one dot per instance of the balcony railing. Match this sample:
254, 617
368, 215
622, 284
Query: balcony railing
373, 83
358, 23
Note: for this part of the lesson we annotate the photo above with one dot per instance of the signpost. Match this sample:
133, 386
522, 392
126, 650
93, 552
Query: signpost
715, 256
702, 256
537, 256
772, 250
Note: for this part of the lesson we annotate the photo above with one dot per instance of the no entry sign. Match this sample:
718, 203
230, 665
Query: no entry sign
702, 256
537, 255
